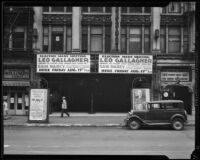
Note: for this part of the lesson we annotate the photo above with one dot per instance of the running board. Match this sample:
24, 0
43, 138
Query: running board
157, 124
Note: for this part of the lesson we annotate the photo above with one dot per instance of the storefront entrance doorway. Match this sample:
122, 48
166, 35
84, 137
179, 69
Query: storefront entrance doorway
90, 93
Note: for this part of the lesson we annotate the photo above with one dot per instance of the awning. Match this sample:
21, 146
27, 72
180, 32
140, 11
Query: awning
16, 83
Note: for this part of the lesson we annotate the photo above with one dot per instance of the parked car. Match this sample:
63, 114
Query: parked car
163, 112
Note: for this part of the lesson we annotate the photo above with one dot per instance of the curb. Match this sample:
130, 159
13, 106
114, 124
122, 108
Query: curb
73, 125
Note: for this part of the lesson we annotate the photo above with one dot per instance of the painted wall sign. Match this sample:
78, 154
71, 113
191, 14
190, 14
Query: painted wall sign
16, 73
172, 76
128, 64
63, 63
38, 104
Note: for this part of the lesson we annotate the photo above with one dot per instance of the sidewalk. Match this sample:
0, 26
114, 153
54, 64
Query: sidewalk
80, 120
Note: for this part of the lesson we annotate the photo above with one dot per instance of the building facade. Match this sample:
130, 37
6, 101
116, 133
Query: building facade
95, 37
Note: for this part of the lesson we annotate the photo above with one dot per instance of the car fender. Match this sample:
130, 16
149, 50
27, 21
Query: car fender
177, 116
136, 117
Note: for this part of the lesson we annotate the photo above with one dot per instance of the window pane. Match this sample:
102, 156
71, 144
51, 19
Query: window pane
185, 40
135, 40
108, 9
175, 7
69, 9
147, 9
57, 38
45, 39
174, 40
162, 40
69, 43
96, 38
164, 9
96, 30
84, 38
84, 9
108, 39
57, 9
96, 43
123, 39
69, 39
96, 9
146, 40
124, 9
45, 9
135, 9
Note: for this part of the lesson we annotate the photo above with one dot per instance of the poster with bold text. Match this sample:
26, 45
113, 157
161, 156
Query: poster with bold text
63, 63
125, 64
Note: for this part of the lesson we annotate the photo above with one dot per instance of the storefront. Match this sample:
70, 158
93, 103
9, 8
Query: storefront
177, 83
106, 88
16, 83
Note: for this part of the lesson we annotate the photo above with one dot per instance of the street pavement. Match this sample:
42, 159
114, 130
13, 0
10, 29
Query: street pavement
98, 141
80, 119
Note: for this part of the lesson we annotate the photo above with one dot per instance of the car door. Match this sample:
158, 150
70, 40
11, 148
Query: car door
156, 113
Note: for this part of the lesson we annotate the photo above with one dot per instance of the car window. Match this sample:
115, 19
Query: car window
157, 106
173, 105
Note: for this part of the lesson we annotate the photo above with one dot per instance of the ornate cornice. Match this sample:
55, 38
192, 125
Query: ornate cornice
172, 20
96, 19
57, 19
135, 19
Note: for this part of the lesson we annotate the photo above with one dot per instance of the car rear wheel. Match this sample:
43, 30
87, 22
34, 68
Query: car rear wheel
178, 124
134, 124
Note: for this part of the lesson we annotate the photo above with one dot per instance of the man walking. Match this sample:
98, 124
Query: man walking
64, 107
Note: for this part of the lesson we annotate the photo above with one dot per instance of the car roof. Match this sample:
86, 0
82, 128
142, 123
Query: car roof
166, 101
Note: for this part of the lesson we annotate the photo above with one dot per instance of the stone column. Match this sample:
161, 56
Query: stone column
37, 24
155, 27
76, 29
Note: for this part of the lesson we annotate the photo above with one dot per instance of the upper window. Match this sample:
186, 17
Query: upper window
174, 40
135, 9
174, 7
135, 45
96, 9
163, 39
57, 9
57, 38
96, 39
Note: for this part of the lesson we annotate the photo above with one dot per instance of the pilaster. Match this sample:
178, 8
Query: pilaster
155, 29
76, 29
37, 24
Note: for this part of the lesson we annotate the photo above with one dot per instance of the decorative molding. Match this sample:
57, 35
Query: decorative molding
57, 18
173, 20
135, 19
96, 19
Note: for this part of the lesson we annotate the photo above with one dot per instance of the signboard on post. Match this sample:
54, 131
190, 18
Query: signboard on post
39, 101
63, 63
126, 64
139, 97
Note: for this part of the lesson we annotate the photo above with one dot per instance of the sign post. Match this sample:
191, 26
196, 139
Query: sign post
39, 102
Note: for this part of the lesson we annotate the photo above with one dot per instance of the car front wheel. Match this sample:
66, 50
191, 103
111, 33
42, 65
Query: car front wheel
134, 124
178, 124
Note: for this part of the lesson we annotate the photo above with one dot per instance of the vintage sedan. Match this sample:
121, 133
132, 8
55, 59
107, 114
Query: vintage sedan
163, 112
